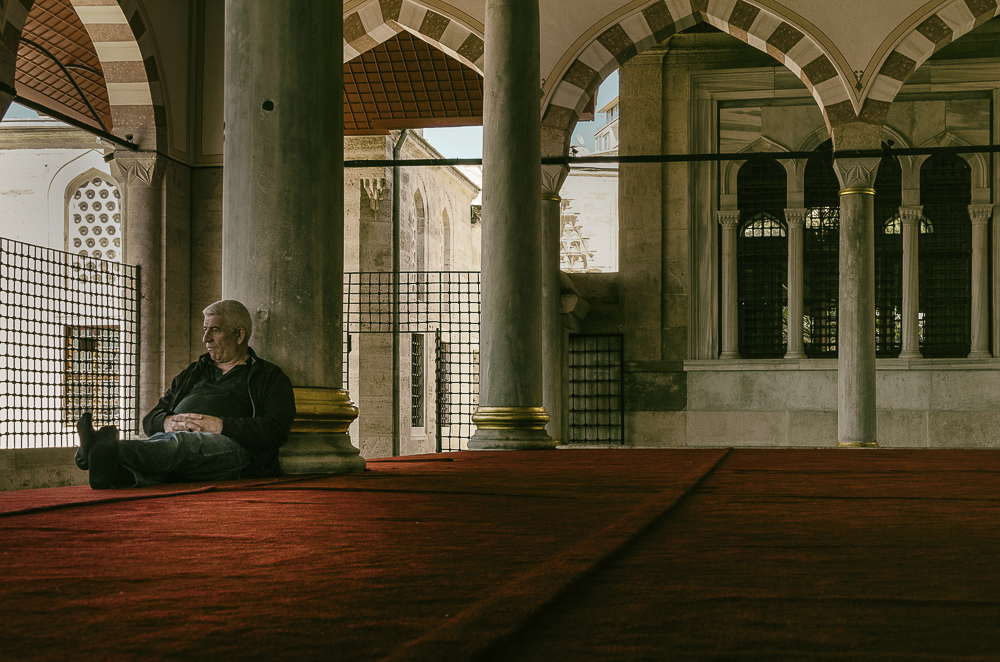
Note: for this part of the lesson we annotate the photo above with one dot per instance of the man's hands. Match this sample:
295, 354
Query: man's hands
192, 423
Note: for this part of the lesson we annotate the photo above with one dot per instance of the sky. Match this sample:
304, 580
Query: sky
466, 142
20, 112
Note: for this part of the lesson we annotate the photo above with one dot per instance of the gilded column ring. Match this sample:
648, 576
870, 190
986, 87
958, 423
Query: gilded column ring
551, 196
857, 189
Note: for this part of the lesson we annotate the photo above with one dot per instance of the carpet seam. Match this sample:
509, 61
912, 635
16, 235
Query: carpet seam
440, 643
133, 497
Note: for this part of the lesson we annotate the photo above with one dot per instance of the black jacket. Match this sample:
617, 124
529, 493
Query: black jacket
273, 410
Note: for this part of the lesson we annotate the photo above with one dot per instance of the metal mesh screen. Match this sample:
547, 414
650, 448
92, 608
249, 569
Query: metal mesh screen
821, 252
68, 344
596, 405
888, 259
446, 303
945, 258
762, 260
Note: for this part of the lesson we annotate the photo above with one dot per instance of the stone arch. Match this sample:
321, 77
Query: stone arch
123, 41
625, 37
947, 23
976, 162
371, 22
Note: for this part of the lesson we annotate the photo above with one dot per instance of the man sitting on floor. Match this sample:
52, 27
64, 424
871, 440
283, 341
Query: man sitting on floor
225, 416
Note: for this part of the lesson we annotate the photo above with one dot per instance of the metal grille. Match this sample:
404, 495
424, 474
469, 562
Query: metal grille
762, 260
68, 344
596, 405
446, 303
417, 380
821, 252
888, 259
945, 258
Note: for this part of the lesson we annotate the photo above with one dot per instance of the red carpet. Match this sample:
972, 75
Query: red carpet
565, 555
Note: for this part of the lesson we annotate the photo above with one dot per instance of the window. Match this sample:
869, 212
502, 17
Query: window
821, 249
888, 259
95, 221
417, 380
92, 373
762, 259
945, 258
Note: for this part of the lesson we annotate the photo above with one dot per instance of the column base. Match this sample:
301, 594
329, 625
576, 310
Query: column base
511, 440
795, 355
331, 453
857, 444
729, 355
911, 354
980, 354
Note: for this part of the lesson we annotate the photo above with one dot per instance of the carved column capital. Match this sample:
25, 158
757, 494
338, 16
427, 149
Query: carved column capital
910, 216
796, 218
553, 176
980, 214
138, 168
857, 175
375, 187
728, 218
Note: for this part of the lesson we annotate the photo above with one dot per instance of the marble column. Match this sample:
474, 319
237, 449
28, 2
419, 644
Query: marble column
980, 216
511, 414
141, 175
553, 333
729, 219
796, 221
910, 231
283, 211
856, 308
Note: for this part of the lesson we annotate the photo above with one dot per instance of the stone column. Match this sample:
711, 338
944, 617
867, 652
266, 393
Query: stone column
796, 221
856, 313
729, 219
511, 414
553, 333
910, 222
283, 211
141, 175
980, 215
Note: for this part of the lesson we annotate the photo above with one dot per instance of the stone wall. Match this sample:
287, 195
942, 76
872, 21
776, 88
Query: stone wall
701, 93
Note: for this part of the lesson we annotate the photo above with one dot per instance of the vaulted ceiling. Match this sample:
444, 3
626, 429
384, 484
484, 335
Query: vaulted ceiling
403, 82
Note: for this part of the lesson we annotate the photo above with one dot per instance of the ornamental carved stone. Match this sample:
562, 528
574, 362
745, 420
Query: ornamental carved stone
728, 218
375, 187
138, 168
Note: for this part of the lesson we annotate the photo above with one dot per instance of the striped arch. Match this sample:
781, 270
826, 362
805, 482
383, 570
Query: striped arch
951, 21
660, 19
375, 21
125, 49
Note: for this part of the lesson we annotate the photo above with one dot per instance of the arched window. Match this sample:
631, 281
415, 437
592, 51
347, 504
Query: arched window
420, 237
94, 217
888, 259
821, 251
945, 257
762, 259
446, 241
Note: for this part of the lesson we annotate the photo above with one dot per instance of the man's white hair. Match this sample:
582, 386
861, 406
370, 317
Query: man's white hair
235, 315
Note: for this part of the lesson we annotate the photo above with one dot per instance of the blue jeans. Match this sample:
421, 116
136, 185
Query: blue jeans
179, 456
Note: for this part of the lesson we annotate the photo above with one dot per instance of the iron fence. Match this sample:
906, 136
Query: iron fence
444, 305
68, 344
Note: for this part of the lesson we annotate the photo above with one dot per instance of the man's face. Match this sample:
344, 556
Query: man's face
222, 342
